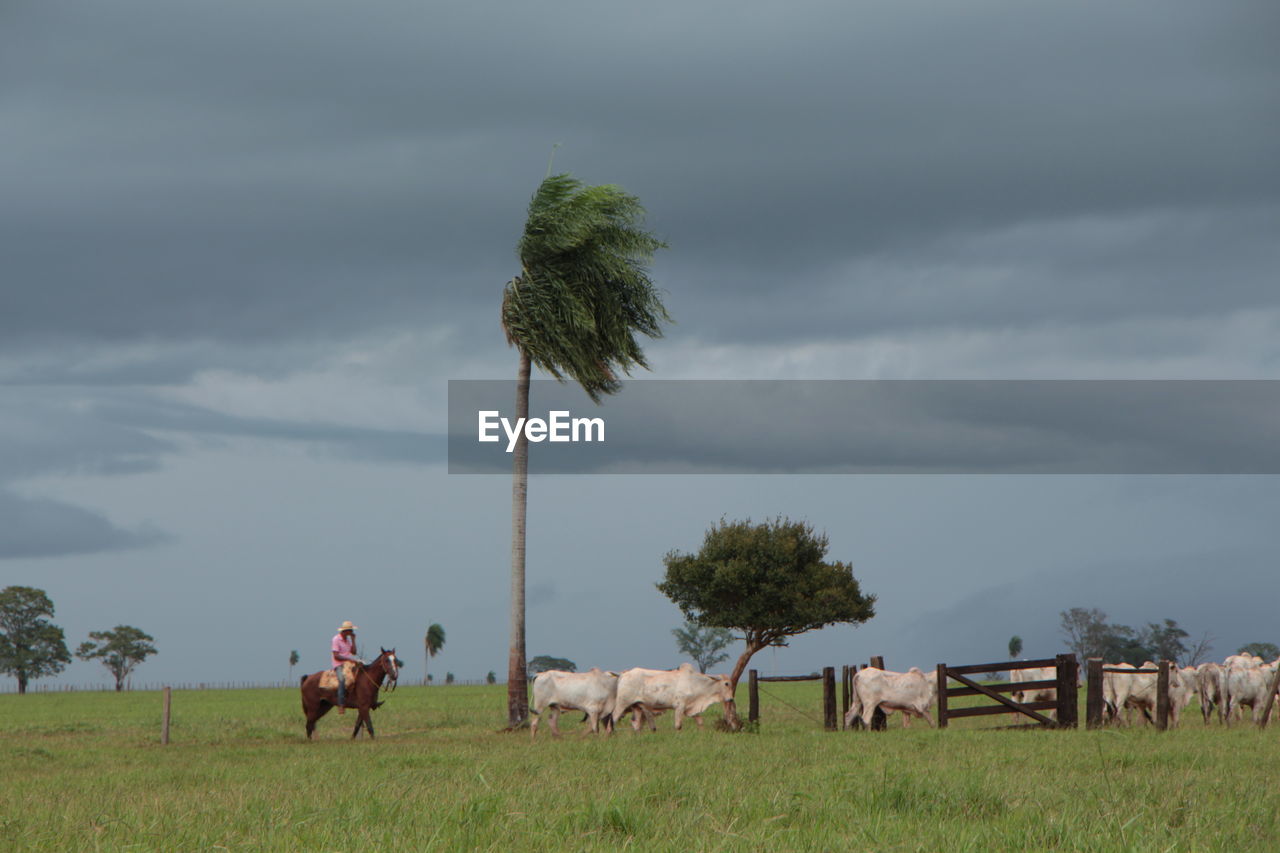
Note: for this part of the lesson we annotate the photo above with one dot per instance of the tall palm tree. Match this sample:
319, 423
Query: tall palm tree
582, 294
432, 643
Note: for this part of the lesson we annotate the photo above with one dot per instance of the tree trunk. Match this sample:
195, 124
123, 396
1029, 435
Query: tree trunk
517, 689
22, 683
741, 665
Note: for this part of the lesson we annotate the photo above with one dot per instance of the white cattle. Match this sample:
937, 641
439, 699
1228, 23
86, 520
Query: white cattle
685, 691
1184, 685
1116, 687
1209, 678
1039, 694
911, 692
1247, 686
1241, 660
592, 692
1142, 693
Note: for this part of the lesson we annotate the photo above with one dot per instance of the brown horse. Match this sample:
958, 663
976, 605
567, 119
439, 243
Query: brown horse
363, 695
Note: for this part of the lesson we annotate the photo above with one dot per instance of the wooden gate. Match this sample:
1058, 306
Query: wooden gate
1065, 683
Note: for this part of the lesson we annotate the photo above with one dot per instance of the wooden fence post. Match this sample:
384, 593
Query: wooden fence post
844, 694
1271, 699
1093, 695
753, 697
1162, 697
164, 725
1068, 671
942, 695
829, 699
879, 722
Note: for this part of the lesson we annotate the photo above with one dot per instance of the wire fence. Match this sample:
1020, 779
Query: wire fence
149, 686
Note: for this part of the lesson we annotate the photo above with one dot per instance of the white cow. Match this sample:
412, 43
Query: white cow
685, 691
1116, 687
1183, 685
1209, 678
591, 692
1247, 686
911, 692
1142, 692
1039, 694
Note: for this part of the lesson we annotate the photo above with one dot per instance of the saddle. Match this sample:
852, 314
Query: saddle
329, 678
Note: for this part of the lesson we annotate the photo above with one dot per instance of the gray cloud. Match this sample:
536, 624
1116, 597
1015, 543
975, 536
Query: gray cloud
369, 170
36, 527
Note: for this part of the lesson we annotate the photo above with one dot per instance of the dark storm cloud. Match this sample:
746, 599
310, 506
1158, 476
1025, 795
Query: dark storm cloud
312, 171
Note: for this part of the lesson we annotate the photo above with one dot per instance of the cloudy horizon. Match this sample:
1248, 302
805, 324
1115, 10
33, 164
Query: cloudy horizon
247, 247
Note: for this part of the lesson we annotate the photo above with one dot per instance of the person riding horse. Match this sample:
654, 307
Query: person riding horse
343, 650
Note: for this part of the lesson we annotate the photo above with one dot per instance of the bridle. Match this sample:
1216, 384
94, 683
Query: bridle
390, 669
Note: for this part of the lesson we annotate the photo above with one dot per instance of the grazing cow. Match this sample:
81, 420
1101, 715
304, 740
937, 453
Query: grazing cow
1209, 677
1247, 686
1116, 687
591, 692
685, 691
911, 692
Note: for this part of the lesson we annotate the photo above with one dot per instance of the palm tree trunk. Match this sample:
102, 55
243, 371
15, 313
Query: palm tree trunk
517, 689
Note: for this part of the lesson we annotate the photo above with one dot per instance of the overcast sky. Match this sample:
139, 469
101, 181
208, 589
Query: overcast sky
245, 246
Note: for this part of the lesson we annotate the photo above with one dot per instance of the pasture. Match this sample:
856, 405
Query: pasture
87, 771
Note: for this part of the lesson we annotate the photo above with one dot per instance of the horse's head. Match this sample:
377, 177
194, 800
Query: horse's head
391, 666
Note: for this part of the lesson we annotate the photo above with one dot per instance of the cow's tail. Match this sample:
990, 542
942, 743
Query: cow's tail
853, 717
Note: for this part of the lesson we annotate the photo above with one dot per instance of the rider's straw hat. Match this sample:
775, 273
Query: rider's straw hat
347, 626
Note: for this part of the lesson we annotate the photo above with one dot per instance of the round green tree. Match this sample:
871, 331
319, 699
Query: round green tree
769, 582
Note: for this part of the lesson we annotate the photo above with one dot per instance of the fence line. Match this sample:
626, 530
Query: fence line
154, 686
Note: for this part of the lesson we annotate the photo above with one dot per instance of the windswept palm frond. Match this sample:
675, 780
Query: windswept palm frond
584, 292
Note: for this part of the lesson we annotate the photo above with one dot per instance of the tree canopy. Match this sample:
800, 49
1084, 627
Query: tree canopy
583, 292
1266, 651
542, 663
121, 650
1089, 634
768, 581
30, 645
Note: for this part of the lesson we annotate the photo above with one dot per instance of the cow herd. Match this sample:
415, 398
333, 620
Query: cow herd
644, 693
1239, 682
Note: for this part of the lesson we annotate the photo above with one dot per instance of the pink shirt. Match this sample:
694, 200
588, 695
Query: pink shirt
343, 648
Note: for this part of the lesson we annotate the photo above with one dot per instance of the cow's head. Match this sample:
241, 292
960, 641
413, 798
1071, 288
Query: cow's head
722, 690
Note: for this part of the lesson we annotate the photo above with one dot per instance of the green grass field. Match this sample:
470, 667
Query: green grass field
87, 771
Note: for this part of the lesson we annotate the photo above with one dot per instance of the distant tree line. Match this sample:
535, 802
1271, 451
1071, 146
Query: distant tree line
32, 647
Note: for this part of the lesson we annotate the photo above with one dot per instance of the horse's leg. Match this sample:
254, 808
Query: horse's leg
362, 719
